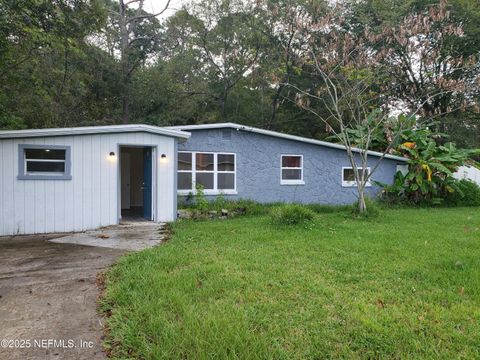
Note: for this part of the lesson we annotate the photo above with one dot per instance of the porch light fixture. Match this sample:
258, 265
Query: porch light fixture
112, 153
163, 156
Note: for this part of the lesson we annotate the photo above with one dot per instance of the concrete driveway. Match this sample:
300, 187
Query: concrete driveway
48, 292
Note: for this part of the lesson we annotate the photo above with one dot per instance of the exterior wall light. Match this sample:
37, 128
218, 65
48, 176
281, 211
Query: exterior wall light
112, 153
163, 156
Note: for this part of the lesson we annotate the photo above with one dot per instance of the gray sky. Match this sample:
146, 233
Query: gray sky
158, 5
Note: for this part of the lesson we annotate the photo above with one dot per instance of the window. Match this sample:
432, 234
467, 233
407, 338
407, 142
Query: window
205, 172
226, 171
348, 176
44, 162
184, 171
214, 171
291, 170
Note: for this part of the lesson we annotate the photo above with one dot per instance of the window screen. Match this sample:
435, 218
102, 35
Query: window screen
292, 169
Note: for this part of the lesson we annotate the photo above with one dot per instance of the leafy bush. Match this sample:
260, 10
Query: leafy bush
290, 214
431, 165
219, 203
201, 203
373, 209
467, 194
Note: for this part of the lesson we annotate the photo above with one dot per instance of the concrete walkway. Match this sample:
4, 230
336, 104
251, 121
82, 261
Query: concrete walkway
126, 236
48, 290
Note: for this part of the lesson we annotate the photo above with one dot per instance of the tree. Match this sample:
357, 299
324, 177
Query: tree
45, 67
137, 37
282, 27
225, 33
351, 86
431, 47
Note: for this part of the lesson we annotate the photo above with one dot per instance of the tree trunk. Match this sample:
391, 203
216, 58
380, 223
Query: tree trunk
275, 104
223, 100
124, 61
362, 206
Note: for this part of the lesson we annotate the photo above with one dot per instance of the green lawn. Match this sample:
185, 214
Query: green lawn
405, 285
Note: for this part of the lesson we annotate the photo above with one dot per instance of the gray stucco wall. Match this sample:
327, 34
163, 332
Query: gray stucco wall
258, 167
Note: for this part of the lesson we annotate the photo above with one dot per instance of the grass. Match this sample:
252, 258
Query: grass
404, 285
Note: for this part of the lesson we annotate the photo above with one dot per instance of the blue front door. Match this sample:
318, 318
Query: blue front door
147, 183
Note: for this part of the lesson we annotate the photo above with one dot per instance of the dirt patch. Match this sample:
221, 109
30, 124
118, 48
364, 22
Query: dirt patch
48, 297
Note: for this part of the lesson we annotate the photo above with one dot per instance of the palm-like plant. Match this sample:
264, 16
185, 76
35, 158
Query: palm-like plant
430, 168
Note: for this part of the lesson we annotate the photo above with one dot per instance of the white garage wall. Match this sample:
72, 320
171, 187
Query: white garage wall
90, 200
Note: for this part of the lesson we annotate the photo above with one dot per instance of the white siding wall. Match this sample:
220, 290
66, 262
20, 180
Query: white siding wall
468, 172
91, 198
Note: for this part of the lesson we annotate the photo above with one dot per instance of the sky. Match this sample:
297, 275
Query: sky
154, 6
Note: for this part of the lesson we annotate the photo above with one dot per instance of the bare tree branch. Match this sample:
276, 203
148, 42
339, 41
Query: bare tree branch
148, 16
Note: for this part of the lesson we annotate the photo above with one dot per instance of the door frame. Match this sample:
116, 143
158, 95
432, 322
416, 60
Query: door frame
123, 168
154, 149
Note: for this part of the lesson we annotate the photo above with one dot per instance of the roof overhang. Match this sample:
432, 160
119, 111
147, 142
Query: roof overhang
92, 130
283, 136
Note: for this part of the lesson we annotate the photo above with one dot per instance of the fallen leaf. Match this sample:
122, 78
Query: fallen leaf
103, 236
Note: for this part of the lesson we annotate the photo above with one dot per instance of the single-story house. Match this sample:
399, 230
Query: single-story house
74, 179
244, 162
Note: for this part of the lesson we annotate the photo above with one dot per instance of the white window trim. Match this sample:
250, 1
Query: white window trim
354, 183
291, 182
215, 172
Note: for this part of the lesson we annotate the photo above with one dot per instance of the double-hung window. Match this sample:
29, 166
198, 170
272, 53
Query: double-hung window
185, 171
348, 176
226, 172
205, 170
44, 162
291, 172
215, 172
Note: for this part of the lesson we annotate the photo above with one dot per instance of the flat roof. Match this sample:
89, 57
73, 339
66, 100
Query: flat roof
91, 130
280, 135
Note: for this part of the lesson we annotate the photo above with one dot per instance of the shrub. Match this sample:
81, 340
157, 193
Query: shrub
431, 165
373, 209
219, 203
201, 203
466, 194
200, 206
290, 214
